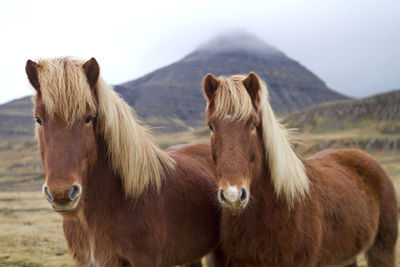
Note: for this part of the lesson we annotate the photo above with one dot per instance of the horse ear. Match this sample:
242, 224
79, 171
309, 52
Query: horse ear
31, 69
210, 85
92, 71
252, 85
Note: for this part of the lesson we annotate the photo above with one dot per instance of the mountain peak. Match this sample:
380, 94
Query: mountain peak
237, 41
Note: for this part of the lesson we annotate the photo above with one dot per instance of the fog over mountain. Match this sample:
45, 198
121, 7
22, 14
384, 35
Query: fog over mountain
238, 41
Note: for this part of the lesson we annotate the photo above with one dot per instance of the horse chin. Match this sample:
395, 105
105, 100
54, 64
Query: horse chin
66, 208
233, 208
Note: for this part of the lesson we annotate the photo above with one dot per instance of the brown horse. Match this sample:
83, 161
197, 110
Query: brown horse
124, 201
281, 210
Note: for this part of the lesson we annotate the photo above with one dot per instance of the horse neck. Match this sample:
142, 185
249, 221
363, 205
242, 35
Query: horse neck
264, 198
103, 189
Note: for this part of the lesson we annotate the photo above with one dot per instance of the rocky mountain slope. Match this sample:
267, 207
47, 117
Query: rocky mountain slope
171, 97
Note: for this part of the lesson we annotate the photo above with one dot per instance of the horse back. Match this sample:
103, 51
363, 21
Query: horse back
348, 165
356, 199
198, 151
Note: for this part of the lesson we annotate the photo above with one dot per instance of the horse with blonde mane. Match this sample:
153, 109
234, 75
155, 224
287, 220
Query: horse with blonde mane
281, 210
124, 201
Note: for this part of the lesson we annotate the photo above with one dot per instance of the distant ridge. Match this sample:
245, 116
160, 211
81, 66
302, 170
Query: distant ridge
16, 118
381, 111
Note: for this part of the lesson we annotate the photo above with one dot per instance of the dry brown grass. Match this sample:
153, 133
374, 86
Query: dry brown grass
20, 168
30, 232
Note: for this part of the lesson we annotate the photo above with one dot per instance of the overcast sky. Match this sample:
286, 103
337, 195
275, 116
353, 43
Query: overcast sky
354, 46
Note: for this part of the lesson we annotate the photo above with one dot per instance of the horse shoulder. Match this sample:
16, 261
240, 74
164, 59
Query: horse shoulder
188, 193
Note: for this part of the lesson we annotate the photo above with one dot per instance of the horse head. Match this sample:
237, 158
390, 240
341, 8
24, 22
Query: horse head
65, 116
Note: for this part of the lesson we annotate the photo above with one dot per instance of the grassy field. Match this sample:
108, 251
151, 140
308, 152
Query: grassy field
20, 168
31, 233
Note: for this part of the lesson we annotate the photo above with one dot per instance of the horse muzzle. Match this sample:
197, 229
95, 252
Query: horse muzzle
233, 198
63, 200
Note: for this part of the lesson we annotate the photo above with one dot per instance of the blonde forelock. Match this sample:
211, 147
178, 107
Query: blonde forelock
231, 99
64, 89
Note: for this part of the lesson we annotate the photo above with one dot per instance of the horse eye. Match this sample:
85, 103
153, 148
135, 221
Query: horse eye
88, 119
211, 128
253, 127
38, 121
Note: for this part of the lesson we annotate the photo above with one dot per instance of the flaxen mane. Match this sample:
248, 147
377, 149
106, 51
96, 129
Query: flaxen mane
133, 154
287, 170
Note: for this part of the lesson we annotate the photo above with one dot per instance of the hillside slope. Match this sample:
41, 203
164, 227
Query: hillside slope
380, 111
16, 118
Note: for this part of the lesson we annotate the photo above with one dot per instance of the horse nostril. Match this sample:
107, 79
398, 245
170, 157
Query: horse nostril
75, 192
46, 192
221, 196
243, 195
